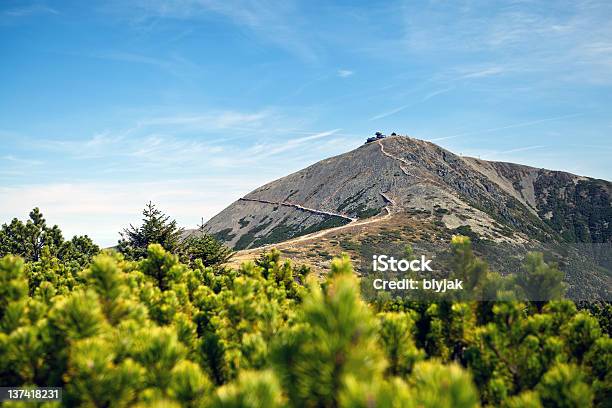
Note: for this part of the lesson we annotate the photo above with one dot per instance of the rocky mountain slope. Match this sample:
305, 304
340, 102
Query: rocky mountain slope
500, 200
400, 183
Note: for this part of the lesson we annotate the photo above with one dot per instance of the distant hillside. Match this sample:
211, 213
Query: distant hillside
400, 183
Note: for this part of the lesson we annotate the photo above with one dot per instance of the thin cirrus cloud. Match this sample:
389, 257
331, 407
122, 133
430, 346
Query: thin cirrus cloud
521, 149
391, 112
505, 127
21, 161
270, 149
183, 143
174, 64
160, 132
566, 41
29, 10
273, 22
211, 120
403, 107
485, 72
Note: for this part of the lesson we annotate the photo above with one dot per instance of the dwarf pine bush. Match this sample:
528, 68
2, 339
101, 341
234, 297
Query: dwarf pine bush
155, 332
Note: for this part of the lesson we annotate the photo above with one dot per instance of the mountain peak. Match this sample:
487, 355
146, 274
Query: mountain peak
401, 176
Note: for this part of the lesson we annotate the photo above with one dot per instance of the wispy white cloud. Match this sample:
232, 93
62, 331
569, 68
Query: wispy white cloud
211, 120
566, 41
133, 57
187, 143
263, 150
440, 139
521, 149
173, 64
511, 126
390, 112
278, 23
436, 93
92, 147
485, 72
343, 73
403, 107
185, 135
29, 10
20, 160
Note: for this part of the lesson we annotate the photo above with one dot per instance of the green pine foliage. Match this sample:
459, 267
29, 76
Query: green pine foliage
156, 228
207, 249
396, 334
539, 280
160, 330
33, 239
159, 228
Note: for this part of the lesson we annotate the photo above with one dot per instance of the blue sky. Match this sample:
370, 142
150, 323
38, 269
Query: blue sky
193, 103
